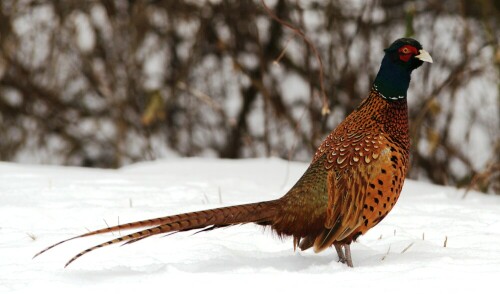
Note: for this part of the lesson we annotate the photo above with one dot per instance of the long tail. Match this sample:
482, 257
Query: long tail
260, 213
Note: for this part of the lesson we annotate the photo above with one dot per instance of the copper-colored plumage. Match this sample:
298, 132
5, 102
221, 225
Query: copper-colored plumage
352, 183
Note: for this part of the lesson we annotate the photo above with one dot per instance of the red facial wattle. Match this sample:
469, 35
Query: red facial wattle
406, 52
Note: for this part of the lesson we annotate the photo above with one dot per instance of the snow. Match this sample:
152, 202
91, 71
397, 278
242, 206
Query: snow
41, 205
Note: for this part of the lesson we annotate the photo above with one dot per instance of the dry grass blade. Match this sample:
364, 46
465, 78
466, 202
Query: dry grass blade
32, 236
387, 253
407, 247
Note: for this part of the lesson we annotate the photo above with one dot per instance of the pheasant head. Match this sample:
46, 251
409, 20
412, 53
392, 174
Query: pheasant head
401, 58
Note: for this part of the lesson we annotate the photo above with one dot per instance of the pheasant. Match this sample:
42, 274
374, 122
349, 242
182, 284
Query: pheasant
352, 183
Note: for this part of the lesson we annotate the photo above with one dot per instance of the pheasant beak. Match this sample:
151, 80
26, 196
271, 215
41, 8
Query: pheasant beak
424, 56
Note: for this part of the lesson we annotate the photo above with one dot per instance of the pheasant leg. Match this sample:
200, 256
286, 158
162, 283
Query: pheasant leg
348, 259
340, 253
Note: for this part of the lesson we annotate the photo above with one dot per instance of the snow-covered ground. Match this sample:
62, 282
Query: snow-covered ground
40, 205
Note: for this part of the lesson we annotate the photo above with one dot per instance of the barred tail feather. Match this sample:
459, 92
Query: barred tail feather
261, 213
123, 227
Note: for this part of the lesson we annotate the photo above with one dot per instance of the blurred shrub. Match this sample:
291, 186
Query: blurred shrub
106, 83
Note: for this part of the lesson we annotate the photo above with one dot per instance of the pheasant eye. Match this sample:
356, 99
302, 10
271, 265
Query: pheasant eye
406, 52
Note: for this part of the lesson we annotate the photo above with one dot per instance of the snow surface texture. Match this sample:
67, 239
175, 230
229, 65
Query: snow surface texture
41, 205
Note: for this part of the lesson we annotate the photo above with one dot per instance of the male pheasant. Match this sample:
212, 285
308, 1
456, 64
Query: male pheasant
352, 183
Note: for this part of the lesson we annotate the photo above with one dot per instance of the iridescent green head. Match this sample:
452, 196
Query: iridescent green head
401, 58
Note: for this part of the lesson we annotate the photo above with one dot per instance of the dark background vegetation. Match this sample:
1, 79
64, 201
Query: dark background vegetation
106, 83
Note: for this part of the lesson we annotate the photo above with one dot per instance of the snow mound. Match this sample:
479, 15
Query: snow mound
433, 239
